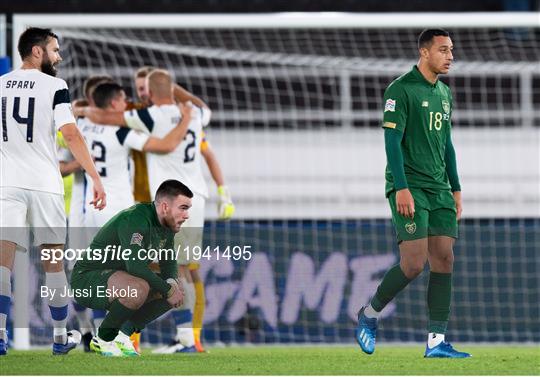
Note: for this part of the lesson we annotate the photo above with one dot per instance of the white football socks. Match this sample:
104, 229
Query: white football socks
434, 339
371, 313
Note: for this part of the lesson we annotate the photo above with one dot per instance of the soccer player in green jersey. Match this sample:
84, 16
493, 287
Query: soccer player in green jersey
114, 273
423, 190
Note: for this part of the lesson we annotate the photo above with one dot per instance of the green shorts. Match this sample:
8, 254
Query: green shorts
435, 215
89, 287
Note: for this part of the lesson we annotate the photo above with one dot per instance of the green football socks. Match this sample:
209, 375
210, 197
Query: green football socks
117, 315
439, 294
146, 314
393, 282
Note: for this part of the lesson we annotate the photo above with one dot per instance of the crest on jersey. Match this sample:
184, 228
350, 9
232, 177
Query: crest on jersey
446, 106
390, 105
410, 228
136, 239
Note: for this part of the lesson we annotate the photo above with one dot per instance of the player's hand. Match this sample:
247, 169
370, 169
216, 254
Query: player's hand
186, 109
457, 199
175, 283
175, 297
405, 203
225, 205
99, 200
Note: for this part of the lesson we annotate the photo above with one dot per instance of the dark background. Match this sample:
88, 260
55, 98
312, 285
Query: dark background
246, 6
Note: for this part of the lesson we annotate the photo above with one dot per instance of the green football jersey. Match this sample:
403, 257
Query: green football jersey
422, 111
129, 242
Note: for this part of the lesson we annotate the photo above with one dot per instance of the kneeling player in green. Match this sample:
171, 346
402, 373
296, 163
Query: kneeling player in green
115, 275
423, 191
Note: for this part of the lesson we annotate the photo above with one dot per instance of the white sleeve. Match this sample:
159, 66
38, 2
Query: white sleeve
139, 120
62, 113
206, 115
136, 140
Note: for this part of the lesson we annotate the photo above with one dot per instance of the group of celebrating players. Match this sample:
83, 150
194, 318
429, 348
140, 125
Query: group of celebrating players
116, 153
422, 187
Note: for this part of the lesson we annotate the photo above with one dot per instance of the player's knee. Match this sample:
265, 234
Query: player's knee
413, 268
142, 289
446, 261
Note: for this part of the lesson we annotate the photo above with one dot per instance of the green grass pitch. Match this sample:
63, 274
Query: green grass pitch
278, 360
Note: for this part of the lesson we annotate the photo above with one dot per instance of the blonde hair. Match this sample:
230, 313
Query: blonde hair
160, 83
144, 71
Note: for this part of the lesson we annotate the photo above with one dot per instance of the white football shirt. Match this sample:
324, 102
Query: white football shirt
34, 106
110, 147
184, 163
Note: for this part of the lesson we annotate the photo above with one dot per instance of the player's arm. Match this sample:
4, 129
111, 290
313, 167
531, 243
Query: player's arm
79, 150
226, 207
135, 119
451, 164
394, 123
394, 156
135, 237
100, 116
65, 123
69, 167
182, 95
174, 137
142, 141
66, 161
213, 164
451, 170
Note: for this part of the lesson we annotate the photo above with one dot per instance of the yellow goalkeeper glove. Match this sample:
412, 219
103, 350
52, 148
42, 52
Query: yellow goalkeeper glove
225, 205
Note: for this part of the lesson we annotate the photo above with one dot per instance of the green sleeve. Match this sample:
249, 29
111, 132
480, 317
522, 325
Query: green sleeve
394, 156
135, 237
395, 107
168, 266
451, 164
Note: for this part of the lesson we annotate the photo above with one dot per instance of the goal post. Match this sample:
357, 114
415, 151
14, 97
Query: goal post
296, 101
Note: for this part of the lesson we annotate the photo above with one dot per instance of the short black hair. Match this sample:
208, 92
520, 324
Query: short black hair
105, 92
426, 36
171, 188
92, 81
33, 36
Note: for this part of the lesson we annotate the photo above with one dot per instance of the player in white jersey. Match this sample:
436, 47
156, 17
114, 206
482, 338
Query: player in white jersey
78, 235
157, 119
77, 208
225, 208
34, 106
110, 146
